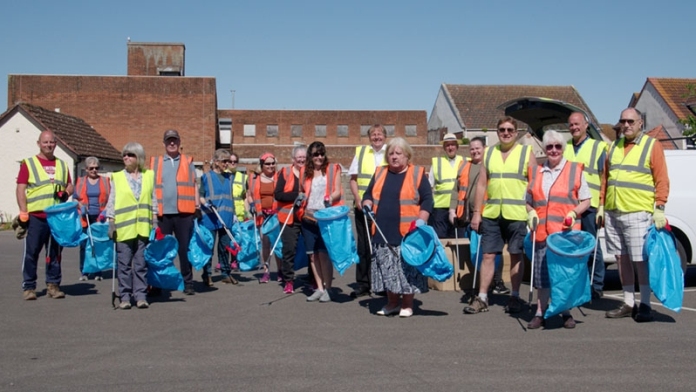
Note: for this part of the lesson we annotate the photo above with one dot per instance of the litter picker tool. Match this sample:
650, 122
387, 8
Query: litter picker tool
531, 274
234, 249
594, 254
391, 248
113, 278
298, 201
257, 239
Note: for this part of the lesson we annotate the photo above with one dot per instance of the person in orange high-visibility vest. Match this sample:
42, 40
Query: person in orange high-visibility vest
557, 196
400, 197
260, 197
92, 192
176, 198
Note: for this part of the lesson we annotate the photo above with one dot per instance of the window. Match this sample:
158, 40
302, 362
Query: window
411, 130
320, 130
296, 130
390, 130
250, 130
225, 130
364, 129
342, 131
272, 130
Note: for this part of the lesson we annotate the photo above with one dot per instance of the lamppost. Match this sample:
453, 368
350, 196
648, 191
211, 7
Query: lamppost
232, 91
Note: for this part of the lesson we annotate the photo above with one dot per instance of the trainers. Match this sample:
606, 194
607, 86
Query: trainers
477, 305
124, 305
217, 267
536, 323
265, 278
644, 314
325, 297
315, 296
83, 278
499, 288
622, 311
289, 289
229, 280
53, 291
29, 295
280, 277
98, 278
514, 305
234, 266
142, 304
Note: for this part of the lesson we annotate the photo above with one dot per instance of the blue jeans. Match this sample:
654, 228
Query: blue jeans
588, 222
223, 242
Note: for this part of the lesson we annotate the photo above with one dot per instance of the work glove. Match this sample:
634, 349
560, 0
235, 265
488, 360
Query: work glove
20, 227
659, 219
62, 196
569, 220
233, 249
299, 200
112, 230
599, 218
102, 217
416, 223
197, 213
452, 216
209, 205
158, 234
532, 220
327, 201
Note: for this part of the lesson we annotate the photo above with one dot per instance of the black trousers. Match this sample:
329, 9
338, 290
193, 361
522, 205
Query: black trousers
362, 272
181, 225
289, 238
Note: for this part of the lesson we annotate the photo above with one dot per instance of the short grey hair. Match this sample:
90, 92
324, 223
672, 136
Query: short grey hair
551, 137
138, 150
221, 154
91, 161
402, 144
298, 148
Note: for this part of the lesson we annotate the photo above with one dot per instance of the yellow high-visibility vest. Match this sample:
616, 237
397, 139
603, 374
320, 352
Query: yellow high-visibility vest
507, 183
589, 153
630, 186
132, 217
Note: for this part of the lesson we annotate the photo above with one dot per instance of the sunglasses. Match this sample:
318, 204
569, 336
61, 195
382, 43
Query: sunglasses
129, 155
628, 121
269, 163
224, 160
92, 168
318, 154
508, 130
232, 162
550, 147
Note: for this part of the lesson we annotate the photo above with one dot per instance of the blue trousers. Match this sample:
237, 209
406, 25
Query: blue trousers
132, 269
39, 237
589, 225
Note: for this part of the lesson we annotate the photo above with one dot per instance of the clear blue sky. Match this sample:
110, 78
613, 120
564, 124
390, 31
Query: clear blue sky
364, 55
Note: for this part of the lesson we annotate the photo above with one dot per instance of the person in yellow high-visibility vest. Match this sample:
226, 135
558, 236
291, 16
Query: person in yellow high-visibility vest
637, 187
500, 213
365, 161
443, 178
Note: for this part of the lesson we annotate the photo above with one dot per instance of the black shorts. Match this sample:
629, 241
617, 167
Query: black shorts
495, 233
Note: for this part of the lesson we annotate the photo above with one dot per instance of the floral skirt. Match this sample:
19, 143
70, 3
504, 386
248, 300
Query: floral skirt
391, 273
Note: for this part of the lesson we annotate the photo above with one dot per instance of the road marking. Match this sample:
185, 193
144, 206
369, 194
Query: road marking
620, 296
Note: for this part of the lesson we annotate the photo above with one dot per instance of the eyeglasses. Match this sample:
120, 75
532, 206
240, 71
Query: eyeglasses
129, 155
550, 147
318, 154
224, 160
508, 130
628, 121
232, 162
92, 168
269, 163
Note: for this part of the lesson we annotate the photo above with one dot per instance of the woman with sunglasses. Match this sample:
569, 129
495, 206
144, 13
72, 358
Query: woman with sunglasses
92, 192
322, 183
260, 196
557, 196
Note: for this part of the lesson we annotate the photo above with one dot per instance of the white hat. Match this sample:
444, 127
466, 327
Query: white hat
450, 137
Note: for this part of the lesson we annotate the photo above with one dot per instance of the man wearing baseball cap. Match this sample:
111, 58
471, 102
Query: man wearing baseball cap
443, 177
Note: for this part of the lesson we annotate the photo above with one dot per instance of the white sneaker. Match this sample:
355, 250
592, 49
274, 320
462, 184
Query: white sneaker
124, 305
325, 297
317, 294
83, 278
98, 278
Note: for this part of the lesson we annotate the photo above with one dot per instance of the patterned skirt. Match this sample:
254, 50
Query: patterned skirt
541, 268
391, 273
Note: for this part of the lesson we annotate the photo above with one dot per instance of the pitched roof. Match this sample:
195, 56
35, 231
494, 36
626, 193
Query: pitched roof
663, 137
676, 94
478, 104
72, 132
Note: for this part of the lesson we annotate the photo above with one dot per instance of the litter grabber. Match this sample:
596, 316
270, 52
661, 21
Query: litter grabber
113, 278
89, 231
298, 202
234, 249
594, 254
535, 221
257, 239
367, 210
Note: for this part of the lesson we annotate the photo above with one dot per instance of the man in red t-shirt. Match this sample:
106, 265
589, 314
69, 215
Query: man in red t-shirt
43, 180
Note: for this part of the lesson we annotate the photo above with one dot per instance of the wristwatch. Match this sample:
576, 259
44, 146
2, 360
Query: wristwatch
660, 207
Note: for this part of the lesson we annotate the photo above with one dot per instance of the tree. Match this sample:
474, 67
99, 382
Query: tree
690, 121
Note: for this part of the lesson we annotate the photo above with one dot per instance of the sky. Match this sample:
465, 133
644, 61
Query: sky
364, 55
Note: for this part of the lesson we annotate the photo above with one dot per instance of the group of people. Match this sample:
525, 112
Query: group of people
499, 192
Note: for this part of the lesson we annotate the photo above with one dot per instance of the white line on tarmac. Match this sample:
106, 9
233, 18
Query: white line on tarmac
620, 296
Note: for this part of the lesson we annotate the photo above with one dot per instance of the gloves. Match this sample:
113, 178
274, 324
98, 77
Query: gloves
659, 219
112, 230
569, 220
532, 219
209, 205
599, 219
416, 223
233, 249
102, 217
61, 195
19, 227
299, 200
327, 201
197, 214
452, 216
158, 234
367, 210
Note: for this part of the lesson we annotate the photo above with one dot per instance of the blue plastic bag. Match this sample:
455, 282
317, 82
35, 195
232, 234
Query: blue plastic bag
201, 246
422, 249
301, 257
664, 265
248, 256
337, 233
474, 239
64, 221
103, 256
567, 253
271, 229
160, 255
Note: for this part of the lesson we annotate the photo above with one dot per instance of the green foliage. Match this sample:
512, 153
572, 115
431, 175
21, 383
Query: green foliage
464, 141
689, 122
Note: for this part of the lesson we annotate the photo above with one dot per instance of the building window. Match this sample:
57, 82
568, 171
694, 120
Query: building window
296, 130
225, 130
364, 129
411, 130
250, 130
342, 131
320, 130
390, 130
272, 130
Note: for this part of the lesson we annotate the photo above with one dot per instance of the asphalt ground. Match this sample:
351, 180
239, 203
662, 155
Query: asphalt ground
252, 337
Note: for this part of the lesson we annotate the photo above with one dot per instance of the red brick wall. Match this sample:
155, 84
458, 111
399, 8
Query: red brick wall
125, 109
146, 59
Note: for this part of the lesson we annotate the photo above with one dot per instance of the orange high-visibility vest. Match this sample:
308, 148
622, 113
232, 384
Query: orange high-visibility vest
284, 207
563, 197
185, 185
409, 199
463, 187
81, 191
254, 187
332, 171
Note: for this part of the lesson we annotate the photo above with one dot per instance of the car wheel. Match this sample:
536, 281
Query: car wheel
682, 255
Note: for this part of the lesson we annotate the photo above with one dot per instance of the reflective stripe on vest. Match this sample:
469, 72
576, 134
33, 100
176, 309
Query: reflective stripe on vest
366, 167
220, 195
409, 198
507, 183
463, 187
81, 191
563, 197
284, 207
445, 177
240, 180
589, 153
255, 189
630, 186
40, 187
132, 218
185, 185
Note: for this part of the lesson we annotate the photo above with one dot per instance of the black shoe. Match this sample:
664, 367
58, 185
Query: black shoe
644, 314
499, 288
597, 293
514, 305
360, 292
189, 290
154, 291
624, 310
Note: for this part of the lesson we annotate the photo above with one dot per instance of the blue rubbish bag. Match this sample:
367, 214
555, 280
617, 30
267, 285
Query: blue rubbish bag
201, 246
528, 245
301, 257
422, 249
271, 229
102, 258
567, 253
664, 265
64, 221
337, 233
474, 239
160, 255
248, 256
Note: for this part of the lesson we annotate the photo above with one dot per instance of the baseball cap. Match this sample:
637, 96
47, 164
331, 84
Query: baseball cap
171, 134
